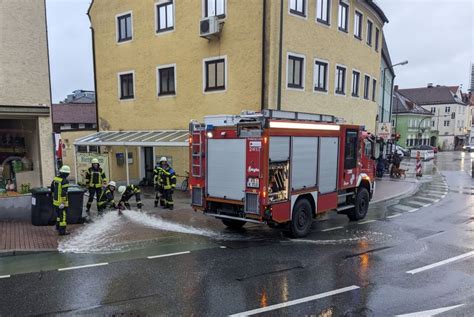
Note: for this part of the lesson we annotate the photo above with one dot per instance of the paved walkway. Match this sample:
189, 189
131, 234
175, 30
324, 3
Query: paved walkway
18, 237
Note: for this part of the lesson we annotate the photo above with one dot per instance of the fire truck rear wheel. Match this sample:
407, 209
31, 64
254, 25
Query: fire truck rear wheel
233, 224
302, 219
361, 205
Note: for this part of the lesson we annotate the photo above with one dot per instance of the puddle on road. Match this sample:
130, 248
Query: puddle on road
358, 235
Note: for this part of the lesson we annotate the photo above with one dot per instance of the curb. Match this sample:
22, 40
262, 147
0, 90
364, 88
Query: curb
408, 192
5, 253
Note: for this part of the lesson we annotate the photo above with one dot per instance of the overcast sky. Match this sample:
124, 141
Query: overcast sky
435, 36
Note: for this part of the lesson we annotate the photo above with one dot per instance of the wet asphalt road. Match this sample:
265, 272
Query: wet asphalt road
387, 265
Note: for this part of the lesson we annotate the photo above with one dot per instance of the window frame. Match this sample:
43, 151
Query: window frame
374, 89
296, 13
369, 32
117, 27
328, 12
302, 71
159, 4
361, 21
344, 91
355, 95
366, 86
132, 72
158, 81
324, 90
346, 5
205, 62
377, 36
205, 9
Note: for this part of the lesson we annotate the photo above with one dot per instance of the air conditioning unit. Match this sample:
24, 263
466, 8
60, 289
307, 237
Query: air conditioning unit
209, 27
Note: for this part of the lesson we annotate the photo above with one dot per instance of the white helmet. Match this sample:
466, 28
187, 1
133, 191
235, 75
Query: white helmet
112, 183
95, 161
65, 169
121, 189
163, 159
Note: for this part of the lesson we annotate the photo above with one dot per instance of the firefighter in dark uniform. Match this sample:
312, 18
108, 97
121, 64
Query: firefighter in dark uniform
95, 179
59, 189
168, 182
127, 193
158, 186
106, 198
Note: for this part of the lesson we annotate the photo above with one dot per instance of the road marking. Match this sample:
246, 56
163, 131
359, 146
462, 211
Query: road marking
395, 215
430, 200
433, 235
331, 229
367, 221
223, 247
405, 208
4, 276
296, 301
82, 266
432, 312
435, 192
167, 255
428, 267
419, 204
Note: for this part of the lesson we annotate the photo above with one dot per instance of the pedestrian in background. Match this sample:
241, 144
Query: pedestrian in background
59, 189
95, 179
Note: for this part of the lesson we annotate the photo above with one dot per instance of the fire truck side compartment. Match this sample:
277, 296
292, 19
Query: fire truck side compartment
304, 161
226, 168
328, 162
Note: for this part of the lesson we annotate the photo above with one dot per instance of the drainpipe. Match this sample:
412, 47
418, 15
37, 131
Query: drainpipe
95, 79
280, 57
264, 29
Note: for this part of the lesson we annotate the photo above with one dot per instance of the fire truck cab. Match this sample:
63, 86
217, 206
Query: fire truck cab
281, 168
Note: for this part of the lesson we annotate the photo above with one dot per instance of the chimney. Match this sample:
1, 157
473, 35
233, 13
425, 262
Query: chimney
395, 88
430, 85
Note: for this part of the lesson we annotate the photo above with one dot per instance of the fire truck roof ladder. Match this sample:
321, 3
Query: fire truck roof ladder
196, 145
300, 116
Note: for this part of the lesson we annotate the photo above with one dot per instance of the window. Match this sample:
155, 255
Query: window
126, 86
343, 18
124, 27
215, 74
355, 83
165, 16
453, 115
89, 126
214, 8
374, 88
350, 149
377, 33
82, 126
323, 11
358, 25
369, 32
166, 81
340, 80
74, 126
298, 7
433, 110
295, 75
366, 86
93, 149
432, 123
447, 109
446, 123
82, 148
320, 76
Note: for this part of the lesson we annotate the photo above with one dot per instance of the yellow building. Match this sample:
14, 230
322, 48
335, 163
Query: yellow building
159, 64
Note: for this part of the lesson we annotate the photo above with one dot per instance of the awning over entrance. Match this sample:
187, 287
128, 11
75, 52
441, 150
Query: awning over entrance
136, 138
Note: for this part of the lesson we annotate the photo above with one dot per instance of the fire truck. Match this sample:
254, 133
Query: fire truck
281, 168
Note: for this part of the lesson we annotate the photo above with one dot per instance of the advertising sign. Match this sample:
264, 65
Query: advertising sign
84, 162
384, 130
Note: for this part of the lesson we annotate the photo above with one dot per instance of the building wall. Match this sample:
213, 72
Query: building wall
240, 41
455, 128
315, 40
385, 96
24, 79
409, 126
68, 138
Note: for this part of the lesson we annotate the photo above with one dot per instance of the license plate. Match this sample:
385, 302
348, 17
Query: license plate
253, 183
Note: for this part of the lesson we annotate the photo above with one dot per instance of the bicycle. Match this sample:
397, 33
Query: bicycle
184, 187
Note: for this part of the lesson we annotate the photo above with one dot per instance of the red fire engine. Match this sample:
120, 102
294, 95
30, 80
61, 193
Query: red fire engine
280, 168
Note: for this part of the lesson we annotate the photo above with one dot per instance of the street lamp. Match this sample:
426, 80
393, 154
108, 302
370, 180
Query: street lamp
383, 88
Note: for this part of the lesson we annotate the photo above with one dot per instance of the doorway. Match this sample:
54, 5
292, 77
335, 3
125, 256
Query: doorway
148, 158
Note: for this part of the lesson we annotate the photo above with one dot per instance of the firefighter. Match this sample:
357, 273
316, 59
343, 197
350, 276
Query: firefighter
127, 193
59, 189
95, 179
158, 186
168, 182
106, 198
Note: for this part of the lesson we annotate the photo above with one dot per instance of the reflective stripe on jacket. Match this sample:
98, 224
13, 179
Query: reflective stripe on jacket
106, 197
168, 178
95, 177
59, 188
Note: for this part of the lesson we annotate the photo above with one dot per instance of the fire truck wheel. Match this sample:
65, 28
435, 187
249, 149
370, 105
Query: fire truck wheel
302, 219
233, 224
361, 205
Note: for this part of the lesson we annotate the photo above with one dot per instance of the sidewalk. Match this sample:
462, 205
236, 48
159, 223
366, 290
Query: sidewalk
19, 237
